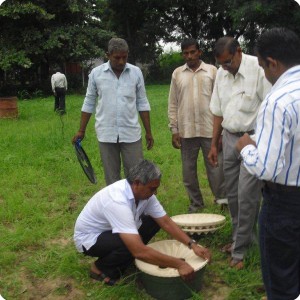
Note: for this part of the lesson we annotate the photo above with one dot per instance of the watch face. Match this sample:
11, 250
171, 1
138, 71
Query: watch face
191, 242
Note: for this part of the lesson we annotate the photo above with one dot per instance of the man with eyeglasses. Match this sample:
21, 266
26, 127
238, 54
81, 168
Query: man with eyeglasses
239, 89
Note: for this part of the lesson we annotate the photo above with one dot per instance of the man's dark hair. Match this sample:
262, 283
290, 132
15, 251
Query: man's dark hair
144, 171
225, 43
189, 42
57, 69
281, 44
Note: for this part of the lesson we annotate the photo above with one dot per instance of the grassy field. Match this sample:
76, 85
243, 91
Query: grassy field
43, 189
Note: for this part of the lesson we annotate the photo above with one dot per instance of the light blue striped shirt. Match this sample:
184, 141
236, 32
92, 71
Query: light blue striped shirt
117, 102
277, 155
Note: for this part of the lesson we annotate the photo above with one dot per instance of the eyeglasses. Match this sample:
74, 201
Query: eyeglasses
226, 63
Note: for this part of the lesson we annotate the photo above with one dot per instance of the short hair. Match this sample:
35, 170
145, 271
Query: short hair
225, 43
57, 69
144, 171
281, 44
117, 45
189, 42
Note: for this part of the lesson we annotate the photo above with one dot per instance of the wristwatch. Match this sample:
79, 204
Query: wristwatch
191, 242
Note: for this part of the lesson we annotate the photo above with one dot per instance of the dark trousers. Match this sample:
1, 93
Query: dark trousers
60, 99
279, 235
190, 148
113, 255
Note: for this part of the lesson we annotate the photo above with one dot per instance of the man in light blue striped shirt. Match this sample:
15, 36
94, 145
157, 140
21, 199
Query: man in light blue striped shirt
116, 93
275, 158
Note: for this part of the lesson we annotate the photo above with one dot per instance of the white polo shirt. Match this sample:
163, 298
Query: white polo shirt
113, 208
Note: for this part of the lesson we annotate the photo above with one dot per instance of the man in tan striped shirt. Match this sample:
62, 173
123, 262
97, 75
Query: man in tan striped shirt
191, 122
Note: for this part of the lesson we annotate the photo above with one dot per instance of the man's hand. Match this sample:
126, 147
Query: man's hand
213, 156
149, 140
176, 141
202, 252
186, 272
78, 136
243, 142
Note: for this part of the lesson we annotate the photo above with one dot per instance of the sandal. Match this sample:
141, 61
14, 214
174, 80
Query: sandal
102, 277
227, 248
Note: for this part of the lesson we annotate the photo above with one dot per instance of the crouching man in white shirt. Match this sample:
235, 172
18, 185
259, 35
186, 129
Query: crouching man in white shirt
118, 222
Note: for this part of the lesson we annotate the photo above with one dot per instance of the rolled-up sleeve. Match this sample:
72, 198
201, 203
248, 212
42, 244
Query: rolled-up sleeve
142, 103
89, 103
173, 107
215, 103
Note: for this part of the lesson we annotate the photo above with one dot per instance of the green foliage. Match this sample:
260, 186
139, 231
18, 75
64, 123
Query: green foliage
172, 59
35, 33
162, 71
254, 16
138, 21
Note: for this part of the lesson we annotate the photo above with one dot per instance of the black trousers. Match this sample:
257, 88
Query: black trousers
113, 255
60, 99
279, 228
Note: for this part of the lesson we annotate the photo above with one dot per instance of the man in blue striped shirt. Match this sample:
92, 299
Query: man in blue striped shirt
274, 157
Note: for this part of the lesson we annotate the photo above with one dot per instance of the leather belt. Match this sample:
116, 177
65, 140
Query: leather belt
241, 133
280, 187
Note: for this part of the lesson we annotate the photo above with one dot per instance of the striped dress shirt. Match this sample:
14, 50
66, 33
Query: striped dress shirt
189, 99
277, 154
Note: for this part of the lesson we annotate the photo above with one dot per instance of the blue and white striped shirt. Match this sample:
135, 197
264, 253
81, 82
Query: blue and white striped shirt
277, 154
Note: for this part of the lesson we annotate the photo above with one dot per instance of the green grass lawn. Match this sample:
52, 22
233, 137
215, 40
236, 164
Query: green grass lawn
43, 189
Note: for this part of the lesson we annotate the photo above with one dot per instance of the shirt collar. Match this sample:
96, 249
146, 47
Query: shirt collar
242, 68
128, 191
203, 66
285, 76
108, 67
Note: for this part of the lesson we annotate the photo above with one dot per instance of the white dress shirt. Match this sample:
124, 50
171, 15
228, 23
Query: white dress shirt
238, 98
59, 80
277, 155
113, 208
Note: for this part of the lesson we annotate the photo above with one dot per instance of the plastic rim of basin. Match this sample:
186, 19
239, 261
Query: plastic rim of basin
165, 283
198, 219
199, 223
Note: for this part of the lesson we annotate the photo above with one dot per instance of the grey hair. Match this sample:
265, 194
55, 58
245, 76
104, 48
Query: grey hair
225, 43
145, 171
117, 45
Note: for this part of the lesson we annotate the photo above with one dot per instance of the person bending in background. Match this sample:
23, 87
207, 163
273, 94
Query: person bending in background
59, 86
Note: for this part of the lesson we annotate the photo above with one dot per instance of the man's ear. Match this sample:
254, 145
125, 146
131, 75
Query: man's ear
135, 183
272, 63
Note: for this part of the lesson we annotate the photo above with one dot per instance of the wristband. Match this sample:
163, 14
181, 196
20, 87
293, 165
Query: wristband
191, 242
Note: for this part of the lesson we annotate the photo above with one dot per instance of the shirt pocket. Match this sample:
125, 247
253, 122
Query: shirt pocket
127, 91
206, 86
249, 104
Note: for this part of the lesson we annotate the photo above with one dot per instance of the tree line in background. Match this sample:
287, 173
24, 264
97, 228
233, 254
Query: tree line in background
37, 35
